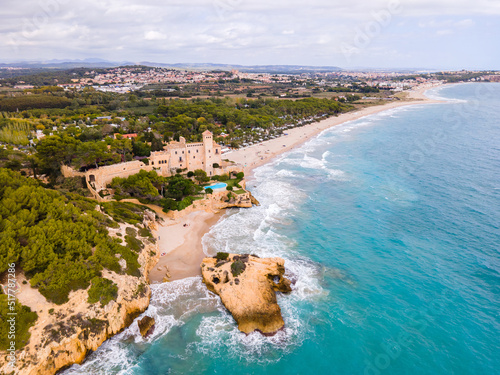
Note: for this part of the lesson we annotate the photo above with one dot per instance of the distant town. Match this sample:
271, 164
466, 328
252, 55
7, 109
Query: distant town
132, 78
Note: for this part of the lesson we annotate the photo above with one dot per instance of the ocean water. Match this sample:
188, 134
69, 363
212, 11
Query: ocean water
389, 226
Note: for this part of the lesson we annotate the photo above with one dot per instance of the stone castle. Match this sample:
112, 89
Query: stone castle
175, 155
190, 156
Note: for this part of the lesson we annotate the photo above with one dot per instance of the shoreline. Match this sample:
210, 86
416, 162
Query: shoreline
262, 153
181, 249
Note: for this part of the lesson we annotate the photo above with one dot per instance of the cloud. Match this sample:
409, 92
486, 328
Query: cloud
444, 32
465, 23
154, 35
231, 31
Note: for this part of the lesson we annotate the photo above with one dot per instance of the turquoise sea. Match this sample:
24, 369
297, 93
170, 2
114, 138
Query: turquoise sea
390, 228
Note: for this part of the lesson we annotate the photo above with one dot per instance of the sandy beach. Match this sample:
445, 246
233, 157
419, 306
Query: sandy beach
180, 241
180, 245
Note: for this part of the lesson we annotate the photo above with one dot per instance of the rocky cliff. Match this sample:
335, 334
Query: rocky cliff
246, 285
65, 334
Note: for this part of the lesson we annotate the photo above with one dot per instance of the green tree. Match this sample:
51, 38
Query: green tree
201, 176
121, 146
54, 151
89, 153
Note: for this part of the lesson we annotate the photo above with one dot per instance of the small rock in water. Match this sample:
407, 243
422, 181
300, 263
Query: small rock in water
146, 326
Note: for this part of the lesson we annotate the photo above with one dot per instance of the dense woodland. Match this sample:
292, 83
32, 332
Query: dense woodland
60, 241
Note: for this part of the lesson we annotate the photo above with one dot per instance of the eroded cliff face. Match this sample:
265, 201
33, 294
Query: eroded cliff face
246, 285
65, 334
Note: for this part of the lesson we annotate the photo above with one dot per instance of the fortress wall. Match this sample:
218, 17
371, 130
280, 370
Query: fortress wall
68, 172
103, 175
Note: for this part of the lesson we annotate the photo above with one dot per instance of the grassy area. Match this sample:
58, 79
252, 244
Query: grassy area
232, 182
240, 191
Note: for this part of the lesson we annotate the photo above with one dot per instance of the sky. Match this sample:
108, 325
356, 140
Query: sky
384, 34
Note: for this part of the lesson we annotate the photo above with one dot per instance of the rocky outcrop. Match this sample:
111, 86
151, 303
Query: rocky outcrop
254, 200
146, 326
246, 285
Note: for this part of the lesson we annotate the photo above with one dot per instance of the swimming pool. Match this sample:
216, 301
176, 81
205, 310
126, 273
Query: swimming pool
219, 185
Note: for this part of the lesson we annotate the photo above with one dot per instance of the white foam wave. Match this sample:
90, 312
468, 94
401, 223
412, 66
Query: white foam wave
172, 304
113, 357
285, 173
435, 95
325, 155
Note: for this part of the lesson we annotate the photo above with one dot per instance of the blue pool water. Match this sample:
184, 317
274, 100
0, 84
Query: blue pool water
219, 185
389, 226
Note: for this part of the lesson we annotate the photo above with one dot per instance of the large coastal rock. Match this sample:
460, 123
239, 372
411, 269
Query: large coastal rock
246, 285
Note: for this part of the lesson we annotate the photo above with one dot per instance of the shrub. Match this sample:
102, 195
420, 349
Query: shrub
61, 277
190, 174
169, 204
145, 232
186, 202
131, 231
103, 193
124, 212
209, 190
64, 242
221, 255
229, 187
25, 318
240, 175
133, 243
237, 268
102, 290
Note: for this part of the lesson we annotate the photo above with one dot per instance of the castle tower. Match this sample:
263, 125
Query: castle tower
208, 146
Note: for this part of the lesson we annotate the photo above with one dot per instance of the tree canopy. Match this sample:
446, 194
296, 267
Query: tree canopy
59, 240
